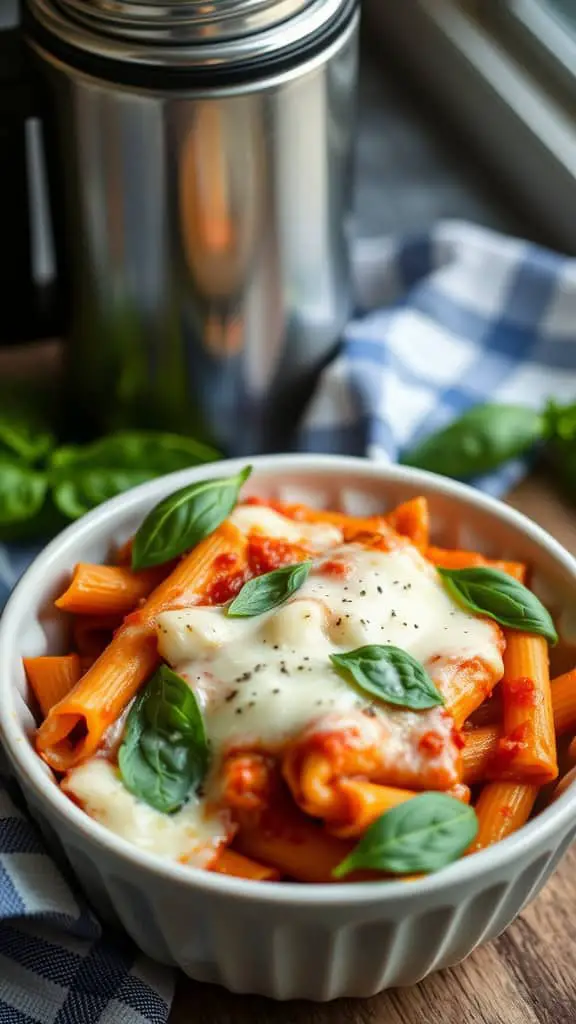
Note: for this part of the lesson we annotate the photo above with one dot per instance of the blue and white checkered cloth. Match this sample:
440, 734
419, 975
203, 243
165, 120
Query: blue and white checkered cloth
456, 316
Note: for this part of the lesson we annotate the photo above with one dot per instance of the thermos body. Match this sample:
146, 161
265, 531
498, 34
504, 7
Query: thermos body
206, 220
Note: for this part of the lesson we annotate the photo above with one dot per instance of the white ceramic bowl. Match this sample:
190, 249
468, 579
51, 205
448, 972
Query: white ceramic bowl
285, 940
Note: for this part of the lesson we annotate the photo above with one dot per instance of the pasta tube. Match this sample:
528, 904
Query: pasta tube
502, 808
236, 865
52, 677
75, 726
107, 589
454, 559
528, 714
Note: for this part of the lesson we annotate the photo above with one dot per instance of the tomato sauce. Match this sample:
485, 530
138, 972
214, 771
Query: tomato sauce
521, 692
431, 743
264, 555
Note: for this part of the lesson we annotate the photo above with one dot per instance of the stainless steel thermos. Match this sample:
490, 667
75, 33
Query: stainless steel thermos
201, 157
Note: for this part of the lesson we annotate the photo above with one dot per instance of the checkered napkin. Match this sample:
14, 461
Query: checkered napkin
446, 319
456, 316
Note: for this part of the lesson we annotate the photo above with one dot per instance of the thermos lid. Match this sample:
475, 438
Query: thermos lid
190, 33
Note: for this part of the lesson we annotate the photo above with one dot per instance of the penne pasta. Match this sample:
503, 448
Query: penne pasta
412, 520
294, 845
423, 758
502, 808
479, 752
352, 526
52, 677
487, 752
75, 726
453, 559
469, 688
248, 781
563, 690
361, 803
528, 714
236, 865
107, 589
301, 675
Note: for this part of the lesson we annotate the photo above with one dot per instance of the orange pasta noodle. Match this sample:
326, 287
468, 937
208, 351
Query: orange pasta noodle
468, 688
502, 808
313, 763
290, 842
107, 589
52, 677
74, 728
564, 701
412, 520
570, 775
489, 713
446, 558
363, 802
480, 749
528, 714
486, 751
236, 865
351, 526
248, 781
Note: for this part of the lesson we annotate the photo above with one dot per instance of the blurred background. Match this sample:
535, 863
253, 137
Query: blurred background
468, 110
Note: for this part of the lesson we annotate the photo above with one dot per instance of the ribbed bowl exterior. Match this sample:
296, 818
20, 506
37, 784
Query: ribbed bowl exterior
301, 952
306, 947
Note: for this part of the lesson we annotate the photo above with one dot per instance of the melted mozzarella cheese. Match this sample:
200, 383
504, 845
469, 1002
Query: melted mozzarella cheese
272, 676
188, 836
269, 523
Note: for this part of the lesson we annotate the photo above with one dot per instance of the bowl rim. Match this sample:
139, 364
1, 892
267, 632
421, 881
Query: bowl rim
554, 818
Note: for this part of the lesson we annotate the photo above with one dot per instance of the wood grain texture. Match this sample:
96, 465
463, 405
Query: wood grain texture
526, 976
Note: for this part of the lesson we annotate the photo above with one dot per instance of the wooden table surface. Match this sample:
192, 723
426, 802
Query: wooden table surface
527, 976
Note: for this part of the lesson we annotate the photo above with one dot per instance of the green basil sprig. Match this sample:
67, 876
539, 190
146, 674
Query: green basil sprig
479, 441
391, 674
265, 592
184, 518
22, 492
421, 835
500, 597
84, 476
164, 753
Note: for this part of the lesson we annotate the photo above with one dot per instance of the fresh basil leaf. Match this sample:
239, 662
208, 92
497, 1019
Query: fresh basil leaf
88, 488
24, 433
84, 477
500, 597
391, 674
421, 835
164, 753
479, 441
560, 452
265, 592
185, 518
153, 451
22, 492
560, 421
